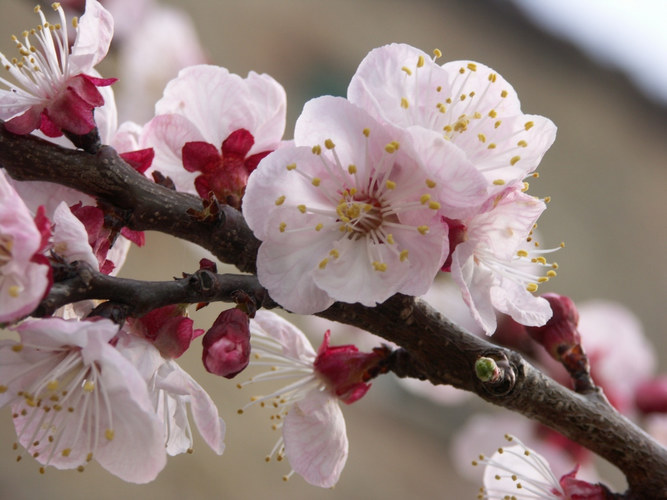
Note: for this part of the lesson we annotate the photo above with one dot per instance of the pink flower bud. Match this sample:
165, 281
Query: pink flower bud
168, 329
651, 396
560, 333
227, 344
345, 370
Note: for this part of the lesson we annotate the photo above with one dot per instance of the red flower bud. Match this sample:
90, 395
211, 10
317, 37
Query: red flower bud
651, 396
560, 333
168, 329
227, 344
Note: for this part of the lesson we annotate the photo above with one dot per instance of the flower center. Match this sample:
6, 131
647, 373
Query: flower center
6, 245
359, 216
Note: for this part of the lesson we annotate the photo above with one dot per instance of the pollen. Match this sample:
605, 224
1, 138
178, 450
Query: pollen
407, 70
89, 386
403, 255
522, 144
529, 125
430, 183
481, 137
404, 103
437, 53
425, 198
390, 239
109, 434
532, 287
329, 144
522, 253
317, 149
302, 208
366, 132
390, 184
423, 229
492, 77
334, 253
499, 182
280, 200
420, 61
472, 66
514, 160
379, 266
14, 291
17, 347
434, 205
323, 263
316, 181
503, 94
282, 227
291, 166
352, 169
493, 113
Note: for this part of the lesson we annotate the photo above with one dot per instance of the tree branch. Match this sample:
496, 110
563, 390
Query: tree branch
433, 348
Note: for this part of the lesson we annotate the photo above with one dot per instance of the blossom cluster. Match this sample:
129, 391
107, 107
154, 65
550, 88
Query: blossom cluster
419, 172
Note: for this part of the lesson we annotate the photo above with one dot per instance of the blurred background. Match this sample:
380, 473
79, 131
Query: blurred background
606, 175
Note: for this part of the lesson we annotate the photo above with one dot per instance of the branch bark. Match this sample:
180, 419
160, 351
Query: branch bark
433, 348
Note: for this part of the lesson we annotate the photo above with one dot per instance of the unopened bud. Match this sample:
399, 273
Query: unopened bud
168, 329
560, 333
651, 396
227, 344
487, 370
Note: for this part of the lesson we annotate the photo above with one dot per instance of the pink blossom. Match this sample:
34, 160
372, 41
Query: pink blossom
57, 87
351, 211
74, 398
470, 104
516, 469
494, 264
24, 274
313, 438
171, 390
212, 128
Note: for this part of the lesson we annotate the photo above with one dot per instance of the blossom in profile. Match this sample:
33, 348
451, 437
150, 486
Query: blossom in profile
24, 271
516, 471
307, 410
498, 266
352, 210
171, 391
56, 87
75, 398
213, 127
466, 102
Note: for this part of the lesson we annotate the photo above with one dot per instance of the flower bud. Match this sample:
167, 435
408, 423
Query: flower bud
227, 344
651, 396
560, 333
168, 329
346, 371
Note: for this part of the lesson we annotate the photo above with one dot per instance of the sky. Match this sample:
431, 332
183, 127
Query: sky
630, 35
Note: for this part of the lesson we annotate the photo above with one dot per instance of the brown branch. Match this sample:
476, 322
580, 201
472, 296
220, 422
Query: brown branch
434, 348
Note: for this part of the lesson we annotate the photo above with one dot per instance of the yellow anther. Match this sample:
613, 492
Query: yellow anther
423, 229
352, 169
547, 199
52, 385
379, 266
282, 227
404, 103
291, 166
403, 255
55, 5
492, 77
66, 452
447, 128
317, 149
522, 253
367, 207
302, 208
425, 199
280, 200
420, 61
462, 70
390, 239
17, 347
562, 244
514, 160
430, 183
552, 273
407, 70
366, 132
89, 386
316, 181
329, 144
324, 263
491, 146
525, 187
529, 125
438, 88
390, 184
352, 191
462, 97
503, 94
37, 9
448, 100
334, 253
109, 434
542, 279
75, 22
532, 287
499, 182
493, 113
319, 227
14, 291
536, 175
472, 66
481, 137
390, 148
541, 260
555, 265
3, 389
522, 144
434, 205
497, 124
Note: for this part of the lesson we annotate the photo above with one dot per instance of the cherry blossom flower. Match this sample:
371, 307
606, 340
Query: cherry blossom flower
57, 87
314, 439
467, 102
516, 471
494, 262
172, 390
351, 211
75, 398
24, 274
213, 127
